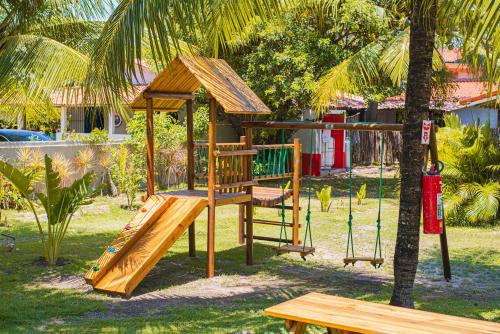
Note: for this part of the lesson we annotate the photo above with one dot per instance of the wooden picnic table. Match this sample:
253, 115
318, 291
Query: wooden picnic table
347, 316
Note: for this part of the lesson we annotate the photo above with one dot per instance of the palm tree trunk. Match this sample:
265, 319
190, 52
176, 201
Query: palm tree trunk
418, 94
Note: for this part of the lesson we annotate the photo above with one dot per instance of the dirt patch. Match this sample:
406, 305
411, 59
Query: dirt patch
66, 282
219, 291
41, 262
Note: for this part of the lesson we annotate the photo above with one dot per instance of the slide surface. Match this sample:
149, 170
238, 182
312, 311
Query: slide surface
143, 242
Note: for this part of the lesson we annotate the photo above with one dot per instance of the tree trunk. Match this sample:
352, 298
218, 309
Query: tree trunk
418, 94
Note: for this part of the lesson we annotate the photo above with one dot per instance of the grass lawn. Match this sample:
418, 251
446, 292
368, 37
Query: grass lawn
176, 298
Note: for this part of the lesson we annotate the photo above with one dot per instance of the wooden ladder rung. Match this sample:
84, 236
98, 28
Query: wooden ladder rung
373, 261
271, 222
304, 251
263, 238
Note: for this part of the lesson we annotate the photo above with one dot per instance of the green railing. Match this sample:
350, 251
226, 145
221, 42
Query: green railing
271, 161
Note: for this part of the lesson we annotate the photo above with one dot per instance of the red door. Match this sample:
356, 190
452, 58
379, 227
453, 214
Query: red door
338, 136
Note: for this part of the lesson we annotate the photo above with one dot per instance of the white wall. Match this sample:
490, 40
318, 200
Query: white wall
8, 151
472, 115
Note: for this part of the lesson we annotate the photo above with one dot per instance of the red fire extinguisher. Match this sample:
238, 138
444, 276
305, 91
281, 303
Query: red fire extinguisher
432, 201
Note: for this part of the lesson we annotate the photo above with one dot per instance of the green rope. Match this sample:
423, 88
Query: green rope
309, 186
283, 223
350, 240
378, 245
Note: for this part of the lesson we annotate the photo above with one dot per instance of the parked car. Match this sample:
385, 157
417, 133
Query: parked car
22, 135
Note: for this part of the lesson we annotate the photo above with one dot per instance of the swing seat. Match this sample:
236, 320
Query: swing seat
377, 261
304, 251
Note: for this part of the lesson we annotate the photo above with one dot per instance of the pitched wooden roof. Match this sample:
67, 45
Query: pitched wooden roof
187, 73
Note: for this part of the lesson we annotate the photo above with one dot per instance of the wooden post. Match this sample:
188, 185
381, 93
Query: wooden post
241, 224
241, 215
442, 237
297, 172
190, 169
249, 205
212, 122
150, 147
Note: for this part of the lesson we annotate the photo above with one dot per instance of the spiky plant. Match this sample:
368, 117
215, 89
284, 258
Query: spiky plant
63, 167
84, 160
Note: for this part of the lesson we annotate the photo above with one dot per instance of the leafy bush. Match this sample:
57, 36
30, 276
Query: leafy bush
60, 203
470, 178
169, 137
361, 194
125, 171
98, 136
200, 123
324, 196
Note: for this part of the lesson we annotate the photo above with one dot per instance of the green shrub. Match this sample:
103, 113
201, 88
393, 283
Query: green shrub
470, 178
98, 136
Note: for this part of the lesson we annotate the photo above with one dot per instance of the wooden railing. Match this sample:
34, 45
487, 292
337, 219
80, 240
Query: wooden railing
231, 159
272, 161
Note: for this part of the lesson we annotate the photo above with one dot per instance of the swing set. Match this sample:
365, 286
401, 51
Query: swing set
350, 258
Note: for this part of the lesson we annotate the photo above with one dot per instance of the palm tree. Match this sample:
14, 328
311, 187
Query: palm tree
476, 21
44, 46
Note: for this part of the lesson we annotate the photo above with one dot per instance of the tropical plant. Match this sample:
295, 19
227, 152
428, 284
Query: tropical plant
471, 155
361, 194
325, 196
60, 203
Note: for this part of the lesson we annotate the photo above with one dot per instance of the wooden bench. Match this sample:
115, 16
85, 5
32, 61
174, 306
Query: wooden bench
348, 316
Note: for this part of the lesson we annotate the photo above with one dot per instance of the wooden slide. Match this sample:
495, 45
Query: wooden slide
142, 243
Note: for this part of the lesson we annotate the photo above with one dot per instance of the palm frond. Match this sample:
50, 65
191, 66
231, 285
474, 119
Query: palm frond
348, 77
484, 202
78, 34
477, 21
42, 65
162, 23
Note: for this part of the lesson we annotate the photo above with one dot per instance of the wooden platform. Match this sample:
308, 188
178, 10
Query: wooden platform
269, 197
377, 261
304, 251
220, 198
356, 316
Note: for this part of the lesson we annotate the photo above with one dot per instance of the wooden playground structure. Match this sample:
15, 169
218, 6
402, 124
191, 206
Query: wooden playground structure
228, 168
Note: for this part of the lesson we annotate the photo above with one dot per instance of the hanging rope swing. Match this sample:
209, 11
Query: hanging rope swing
287, 248
377, 260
